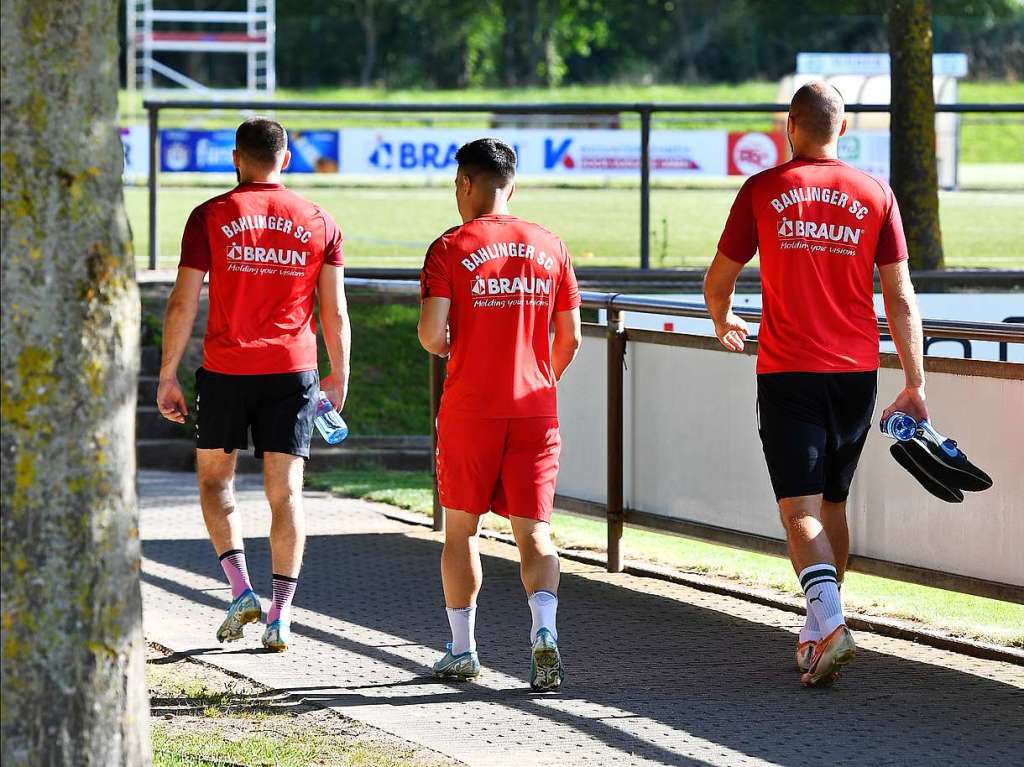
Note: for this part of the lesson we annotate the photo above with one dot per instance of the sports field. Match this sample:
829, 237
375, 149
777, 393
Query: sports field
392, 226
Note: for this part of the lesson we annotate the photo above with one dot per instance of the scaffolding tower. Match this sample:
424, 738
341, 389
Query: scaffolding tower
213, 32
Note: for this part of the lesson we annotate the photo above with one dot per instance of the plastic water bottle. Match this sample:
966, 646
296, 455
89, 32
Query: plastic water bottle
329, 422
899, 426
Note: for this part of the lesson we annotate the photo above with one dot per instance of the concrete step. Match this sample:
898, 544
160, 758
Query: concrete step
382, 441
147, 390
166, 454
150, 361
149, 424
326, 458
179, 455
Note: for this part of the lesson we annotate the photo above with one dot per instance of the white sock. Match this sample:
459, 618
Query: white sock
822, 590
463, 623
811, 632
543, 606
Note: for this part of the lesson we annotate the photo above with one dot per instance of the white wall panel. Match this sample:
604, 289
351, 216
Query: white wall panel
692, 453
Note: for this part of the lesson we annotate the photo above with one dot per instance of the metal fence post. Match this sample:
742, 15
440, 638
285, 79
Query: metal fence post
645, 189
154, 171
438, 368
615, 507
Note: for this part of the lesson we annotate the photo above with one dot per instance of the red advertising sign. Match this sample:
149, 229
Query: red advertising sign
753, 152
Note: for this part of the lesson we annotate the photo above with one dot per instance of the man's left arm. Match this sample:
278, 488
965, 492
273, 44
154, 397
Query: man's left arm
337, 332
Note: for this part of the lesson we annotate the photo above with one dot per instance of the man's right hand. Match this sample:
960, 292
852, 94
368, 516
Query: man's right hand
910, 401
732, 332
334, 387
170, 399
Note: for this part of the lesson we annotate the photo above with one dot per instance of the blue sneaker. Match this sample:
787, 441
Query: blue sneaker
546, 672
277, 636
462, 667
245, 609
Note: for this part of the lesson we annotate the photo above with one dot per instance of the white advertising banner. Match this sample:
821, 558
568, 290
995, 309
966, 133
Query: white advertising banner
136, 156
541, 152
565, 154
867, 150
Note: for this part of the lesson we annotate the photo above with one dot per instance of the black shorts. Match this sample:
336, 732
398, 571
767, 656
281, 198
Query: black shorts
813, 427
278, 409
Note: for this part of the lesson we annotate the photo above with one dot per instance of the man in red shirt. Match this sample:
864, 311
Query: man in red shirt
821, 227
492, 289
269, 254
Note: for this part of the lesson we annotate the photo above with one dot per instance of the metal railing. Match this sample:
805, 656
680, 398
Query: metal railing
645, 110
614, 510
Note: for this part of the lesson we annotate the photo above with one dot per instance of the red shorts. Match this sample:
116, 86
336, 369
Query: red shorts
505, 465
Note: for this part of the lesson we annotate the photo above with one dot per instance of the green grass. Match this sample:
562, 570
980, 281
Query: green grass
292, 747
201, 717
959, 614
392, 226
390, 392
992, 138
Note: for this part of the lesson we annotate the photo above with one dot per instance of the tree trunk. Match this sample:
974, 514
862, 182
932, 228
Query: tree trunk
72, 678
368, 20
523, 43
913, 169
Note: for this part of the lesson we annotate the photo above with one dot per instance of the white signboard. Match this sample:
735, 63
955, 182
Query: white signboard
541, 152
943, 64
136, 156
867, 150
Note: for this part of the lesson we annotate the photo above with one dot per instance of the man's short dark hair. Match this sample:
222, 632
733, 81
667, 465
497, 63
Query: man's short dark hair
261, 140
818, 109
488, 156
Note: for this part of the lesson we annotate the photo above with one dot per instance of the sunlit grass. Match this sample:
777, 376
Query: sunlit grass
392, 226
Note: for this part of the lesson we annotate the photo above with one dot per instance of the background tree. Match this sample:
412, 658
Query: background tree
913, 169
366, 12
454, 43
72, 679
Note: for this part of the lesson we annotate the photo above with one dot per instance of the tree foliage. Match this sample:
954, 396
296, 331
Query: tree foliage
463, 43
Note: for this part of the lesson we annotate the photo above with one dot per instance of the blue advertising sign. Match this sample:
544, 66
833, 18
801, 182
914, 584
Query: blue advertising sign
209, 151
196, 151
314, 151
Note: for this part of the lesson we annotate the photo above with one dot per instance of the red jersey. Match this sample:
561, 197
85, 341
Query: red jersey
505, 278
263, 246
820, 227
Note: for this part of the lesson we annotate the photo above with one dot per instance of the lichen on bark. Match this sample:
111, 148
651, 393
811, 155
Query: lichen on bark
71, 613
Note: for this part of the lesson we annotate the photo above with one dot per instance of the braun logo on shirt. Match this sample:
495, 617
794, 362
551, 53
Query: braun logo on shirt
510, 286
812, 230
279, 256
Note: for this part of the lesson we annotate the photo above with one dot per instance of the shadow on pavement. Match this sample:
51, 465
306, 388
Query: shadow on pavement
636, 663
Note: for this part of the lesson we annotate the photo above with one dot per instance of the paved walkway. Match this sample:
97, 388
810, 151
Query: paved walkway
658, 673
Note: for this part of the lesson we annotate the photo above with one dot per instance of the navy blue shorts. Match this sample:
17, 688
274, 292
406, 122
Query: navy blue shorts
278, 410
813, 427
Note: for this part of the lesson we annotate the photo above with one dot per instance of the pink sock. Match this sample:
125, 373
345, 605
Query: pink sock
284, 590
233, 562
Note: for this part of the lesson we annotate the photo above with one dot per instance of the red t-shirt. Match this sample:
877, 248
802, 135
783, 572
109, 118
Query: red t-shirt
263, 246
820, 227
506, 278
